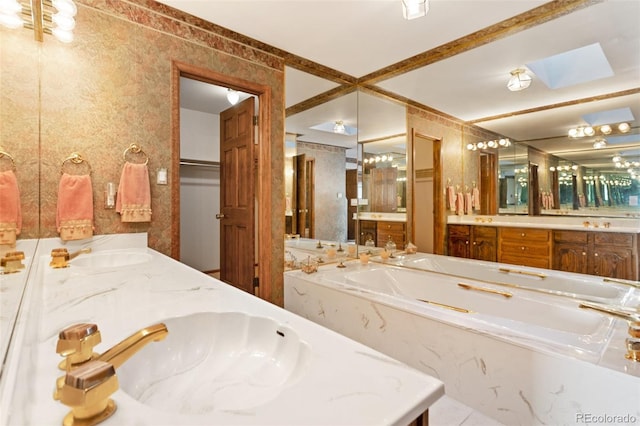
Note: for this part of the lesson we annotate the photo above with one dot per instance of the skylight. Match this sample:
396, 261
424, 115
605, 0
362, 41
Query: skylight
573, 67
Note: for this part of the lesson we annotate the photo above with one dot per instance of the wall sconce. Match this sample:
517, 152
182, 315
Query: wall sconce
55, 17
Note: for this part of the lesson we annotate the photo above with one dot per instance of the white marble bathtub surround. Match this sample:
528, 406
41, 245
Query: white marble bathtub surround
343, 382
501, 373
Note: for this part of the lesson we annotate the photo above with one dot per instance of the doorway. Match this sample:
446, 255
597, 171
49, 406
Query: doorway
424, 190
260, 166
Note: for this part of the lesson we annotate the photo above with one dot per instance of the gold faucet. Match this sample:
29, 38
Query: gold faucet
632, 342
60, 257
121, 352
86, 390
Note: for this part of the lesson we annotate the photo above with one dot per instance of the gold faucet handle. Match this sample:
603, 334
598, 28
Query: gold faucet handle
87, 390
12, 262
76, 344
59, 258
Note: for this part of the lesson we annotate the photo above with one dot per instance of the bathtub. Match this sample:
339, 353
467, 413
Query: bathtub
556, 283
515, 315
531, 358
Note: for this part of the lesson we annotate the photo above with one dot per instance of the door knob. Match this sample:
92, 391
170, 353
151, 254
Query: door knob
220, 216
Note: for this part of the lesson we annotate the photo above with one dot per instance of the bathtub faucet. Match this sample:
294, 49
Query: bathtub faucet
633, 341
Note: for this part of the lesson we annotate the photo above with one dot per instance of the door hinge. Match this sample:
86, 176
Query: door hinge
255, 120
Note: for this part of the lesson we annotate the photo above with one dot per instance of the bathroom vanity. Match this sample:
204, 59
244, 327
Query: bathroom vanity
228, 357
606, 247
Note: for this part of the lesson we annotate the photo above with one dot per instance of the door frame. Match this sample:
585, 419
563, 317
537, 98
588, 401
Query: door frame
263, 160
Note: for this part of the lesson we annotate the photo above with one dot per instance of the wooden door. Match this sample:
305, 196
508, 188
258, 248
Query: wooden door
237, 196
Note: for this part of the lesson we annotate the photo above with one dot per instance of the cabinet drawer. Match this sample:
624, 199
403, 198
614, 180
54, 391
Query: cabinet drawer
534, 262
390, 227
524, 234
614, 239
525, 250
485, 232
578, 237
459, 230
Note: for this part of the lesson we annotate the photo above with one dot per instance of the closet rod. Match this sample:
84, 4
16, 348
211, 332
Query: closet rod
202, 163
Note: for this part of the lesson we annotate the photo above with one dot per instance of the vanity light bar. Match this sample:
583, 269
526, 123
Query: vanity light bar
55, 17
605, 129
497, 143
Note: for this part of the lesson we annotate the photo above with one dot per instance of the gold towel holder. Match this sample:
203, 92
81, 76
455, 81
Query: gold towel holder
9, 157
77, 159
135, 149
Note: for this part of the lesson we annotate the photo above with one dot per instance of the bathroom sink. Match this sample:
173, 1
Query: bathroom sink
111, 259
215, 362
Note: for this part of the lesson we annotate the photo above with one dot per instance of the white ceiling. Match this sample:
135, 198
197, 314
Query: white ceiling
357, 37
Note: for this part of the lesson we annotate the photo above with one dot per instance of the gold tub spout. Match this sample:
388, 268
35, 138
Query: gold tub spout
124, 350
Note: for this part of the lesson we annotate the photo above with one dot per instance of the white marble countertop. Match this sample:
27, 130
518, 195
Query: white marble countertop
11, 289
598, 224
344, 382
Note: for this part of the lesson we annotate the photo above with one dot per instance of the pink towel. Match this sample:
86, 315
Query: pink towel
133, 201
10, 212
460, 203
74, 218
476, 199
451, 198
467, 203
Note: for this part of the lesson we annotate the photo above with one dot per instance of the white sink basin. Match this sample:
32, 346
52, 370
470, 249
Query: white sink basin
215, 362
110, 259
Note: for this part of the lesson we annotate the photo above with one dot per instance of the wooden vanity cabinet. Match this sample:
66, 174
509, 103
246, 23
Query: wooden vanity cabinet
525, 246
606, 254
473, 242
396, 230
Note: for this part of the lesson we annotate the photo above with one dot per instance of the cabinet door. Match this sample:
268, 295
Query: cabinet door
484, 244
569, 257
459, 241
571, 251
613, 262
367, 231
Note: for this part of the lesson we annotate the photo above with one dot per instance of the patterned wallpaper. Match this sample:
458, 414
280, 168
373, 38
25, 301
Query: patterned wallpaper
109, 88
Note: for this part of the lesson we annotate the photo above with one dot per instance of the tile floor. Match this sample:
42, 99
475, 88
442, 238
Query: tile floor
449, 412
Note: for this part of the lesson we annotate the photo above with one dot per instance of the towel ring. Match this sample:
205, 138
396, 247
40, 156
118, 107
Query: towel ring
135, 149
4, 154
76, 159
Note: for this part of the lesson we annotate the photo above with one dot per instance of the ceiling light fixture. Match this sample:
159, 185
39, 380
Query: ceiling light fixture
339, 127
519, 80
233, 96
600, 143
412, 9
55, 17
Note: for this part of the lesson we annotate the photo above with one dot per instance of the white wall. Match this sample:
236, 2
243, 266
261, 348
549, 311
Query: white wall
199, 190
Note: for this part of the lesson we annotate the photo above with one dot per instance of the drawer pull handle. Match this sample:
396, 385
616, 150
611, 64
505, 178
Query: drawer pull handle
523, 234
